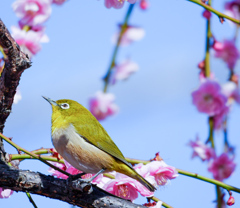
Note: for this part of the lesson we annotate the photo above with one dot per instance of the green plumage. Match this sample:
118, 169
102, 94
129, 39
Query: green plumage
67, 113
90, 129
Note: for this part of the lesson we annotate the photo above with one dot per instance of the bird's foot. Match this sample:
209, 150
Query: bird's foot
84, 185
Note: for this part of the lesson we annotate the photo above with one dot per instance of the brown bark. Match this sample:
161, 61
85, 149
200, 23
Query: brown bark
37, 183
15, 63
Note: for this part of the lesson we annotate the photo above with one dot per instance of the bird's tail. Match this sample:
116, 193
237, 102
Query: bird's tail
129, 171
143, 181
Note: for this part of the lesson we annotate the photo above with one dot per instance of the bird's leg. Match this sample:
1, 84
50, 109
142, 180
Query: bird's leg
85, 185
95, 176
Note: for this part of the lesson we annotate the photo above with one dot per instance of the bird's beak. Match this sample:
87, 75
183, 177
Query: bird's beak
52, 102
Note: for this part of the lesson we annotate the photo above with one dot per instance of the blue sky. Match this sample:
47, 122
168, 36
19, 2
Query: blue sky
156, 111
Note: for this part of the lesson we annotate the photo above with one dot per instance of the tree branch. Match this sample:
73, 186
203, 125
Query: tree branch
219, 14
37, 183
15, 63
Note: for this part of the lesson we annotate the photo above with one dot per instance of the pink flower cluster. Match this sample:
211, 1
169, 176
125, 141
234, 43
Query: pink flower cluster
209, 99
29, 41
30, 33
221, 167
201, 150
102, 105
215, 100
156, 172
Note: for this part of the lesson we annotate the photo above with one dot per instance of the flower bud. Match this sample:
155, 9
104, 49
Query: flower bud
231, 201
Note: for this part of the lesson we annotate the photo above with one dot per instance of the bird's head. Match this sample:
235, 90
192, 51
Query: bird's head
66, 111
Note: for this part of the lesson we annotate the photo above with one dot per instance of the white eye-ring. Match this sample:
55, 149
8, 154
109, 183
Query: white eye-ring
65, 106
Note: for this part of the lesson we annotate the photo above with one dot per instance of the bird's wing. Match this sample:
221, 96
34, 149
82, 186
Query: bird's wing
95, 134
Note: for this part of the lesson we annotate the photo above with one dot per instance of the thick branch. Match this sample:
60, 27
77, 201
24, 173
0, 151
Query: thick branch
37, 183
15, 63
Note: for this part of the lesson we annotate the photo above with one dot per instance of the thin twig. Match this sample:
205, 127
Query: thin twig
31, 200
33, 155
219, 14
112, 63
192, 175
163, 203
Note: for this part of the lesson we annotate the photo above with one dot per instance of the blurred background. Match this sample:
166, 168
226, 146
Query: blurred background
156, 111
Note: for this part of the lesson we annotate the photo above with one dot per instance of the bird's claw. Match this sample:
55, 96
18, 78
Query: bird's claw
84, 185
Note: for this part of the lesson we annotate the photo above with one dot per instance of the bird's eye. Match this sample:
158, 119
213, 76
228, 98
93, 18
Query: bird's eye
65, 106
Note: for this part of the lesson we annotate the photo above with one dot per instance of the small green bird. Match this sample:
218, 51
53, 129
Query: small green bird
82, 141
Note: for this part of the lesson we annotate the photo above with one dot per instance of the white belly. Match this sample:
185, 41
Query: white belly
79, 153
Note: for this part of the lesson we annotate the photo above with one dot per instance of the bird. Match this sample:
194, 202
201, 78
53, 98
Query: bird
83, 142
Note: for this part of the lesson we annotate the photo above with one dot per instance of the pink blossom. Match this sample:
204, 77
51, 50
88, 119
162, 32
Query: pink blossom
227, 51
102, 105
59, 2
159, 170
130, 35
17, 96
29, 41
124, 70
5, 193
144, 4
222, 167
162, 172
231, 91
32, 12
144, 172
208, 98
117, 4
220, 117
207, 14
232, 9
201, 150
126, 187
